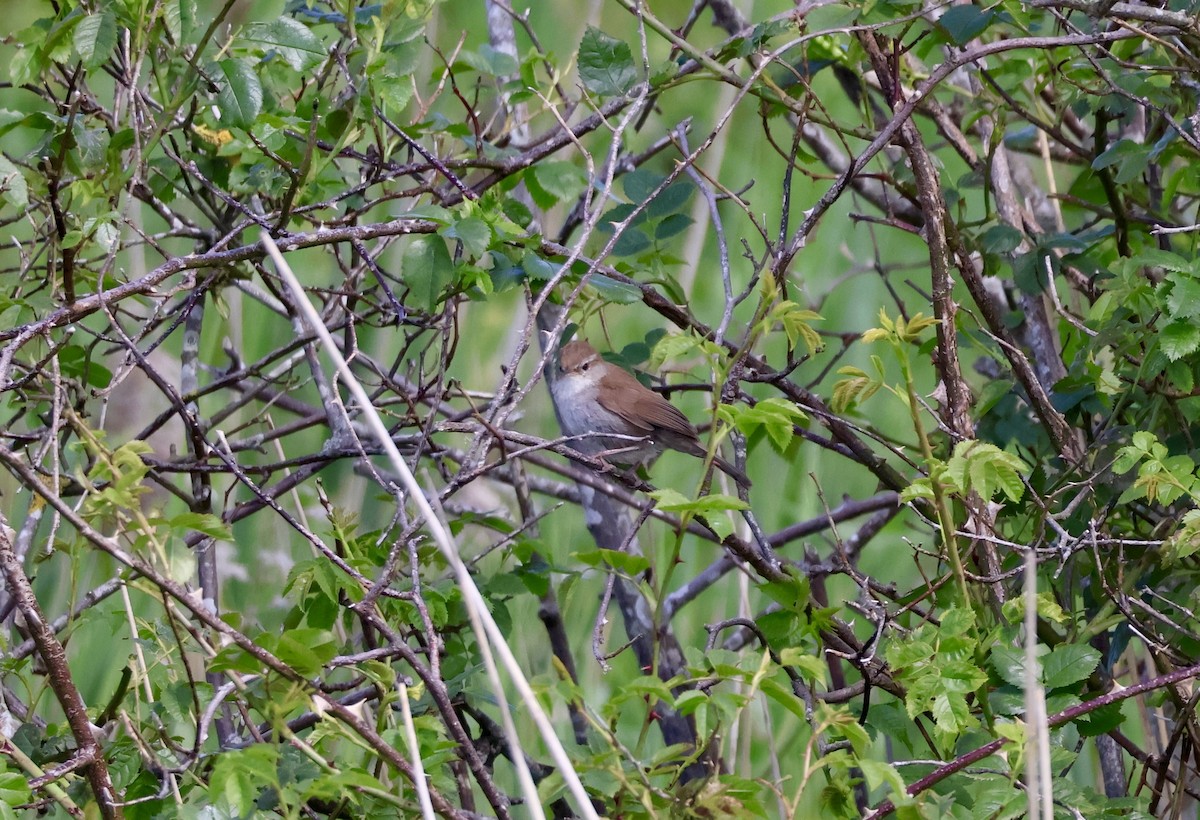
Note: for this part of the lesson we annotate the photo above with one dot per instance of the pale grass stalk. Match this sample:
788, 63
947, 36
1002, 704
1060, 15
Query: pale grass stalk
31, 768
315, 757
410, 735
776, 771
1038, 784
807, 771
741, 731
482, 623
143, 669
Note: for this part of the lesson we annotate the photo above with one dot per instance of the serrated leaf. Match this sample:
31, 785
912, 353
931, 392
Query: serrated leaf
180, 17
795, 321
631, 242
672, 225
1001, 239
1009, 663
537, 268
1159, 258
1183, 295
206, 523
957, 620
877, 773
854, 390
776, 416
95, 38
965, 23
14, 789
555, 182
1068, 664
613, 291
719, 524
605, 64
474, 234
91, 144
672, 501
1100, 721
394, 93
986, 469
626, 563
13, 187
670, 201
784, 696
1179, 339
427, 269
239, 94
293, 41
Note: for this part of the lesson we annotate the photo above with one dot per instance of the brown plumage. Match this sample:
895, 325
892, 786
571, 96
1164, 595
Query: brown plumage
595, 396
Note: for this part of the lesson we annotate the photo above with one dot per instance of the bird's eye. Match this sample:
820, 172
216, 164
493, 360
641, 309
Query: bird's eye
585, 366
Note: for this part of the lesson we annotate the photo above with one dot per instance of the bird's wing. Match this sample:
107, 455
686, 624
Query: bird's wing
648, 410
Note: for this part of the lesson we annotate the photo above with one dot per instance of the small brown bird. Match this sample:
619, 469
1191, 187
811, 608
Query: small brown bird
595, 396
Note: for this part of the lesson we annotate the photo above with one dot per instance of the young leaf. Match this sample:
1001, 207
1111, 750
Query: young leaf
605, 64
239, 94
427, 269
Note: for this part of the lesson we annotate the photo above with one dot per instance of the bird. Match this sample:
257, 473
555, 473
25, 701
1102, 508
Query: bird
595, 396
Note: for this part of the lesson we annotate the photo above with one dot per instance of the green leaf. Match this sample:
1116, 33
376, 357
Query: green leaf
14, 789
641, 184
796, 322
240, 94
91, 144
1000, 239
306, 650
605, 64
623, 562
294, 42
777, 416
1158, 258
554, 182
473, 232
986, 469
672, 225
1068, 664
490, 61
1100, 721
784, 696
956, 621
427, 270
233, 658
95, 38
1009, 664
616, 292
1129, 157
239, 775
965, 23
1179, 339
853, 390
672, 501
13, 187
812, 667
206, 523
180, 17
1182, 295
792, 593
719, 524
393, 92
878, 773
76, 362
